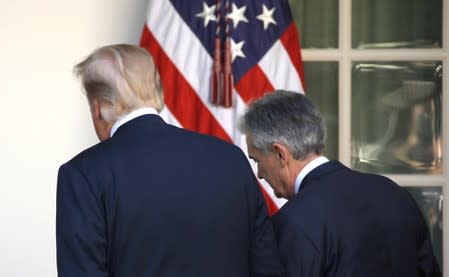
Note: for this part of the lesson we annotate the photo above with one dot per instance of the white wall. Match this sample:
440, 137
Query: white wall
43, 116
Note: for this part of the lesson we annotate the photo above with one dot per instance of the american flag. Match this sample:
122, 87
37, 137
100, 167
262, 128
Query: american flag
189, 40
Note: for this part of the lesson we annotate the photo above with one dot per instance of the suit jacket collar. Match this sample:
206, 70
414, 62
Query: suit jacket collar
319, 172
142, 122
134, 114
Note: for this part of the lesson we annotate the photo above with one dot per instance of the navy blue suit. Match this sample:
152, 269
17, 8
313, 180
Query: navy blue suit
157, 200
346, 223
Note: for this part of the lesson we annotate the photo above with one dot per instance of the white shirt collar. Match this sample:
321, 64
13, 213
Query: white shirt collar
309, 167
136, 113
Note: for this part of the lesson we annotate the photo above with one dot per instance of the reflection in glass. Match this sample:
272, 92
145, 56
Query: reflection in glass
396, 117
397, 24
430, 201
317, 22
321, 80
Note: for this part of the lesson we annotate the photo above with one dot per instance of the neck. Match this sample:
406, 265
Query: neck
300, 164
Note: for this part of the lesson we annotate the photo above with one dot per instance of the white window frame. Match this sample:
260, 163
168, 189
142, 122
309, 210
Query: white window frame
345, 55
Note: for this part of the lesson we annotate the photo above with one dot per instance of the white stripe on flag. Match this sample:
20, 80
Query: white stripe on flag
278, 68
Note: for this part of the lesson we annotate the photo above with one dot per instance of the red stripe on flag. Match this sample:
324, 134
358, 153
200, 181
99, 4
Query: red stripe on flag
290, 40
179, 96
253, 85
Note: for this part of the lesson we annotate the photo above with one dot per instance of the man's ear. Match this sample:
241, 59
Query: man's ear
281, 152
95, 109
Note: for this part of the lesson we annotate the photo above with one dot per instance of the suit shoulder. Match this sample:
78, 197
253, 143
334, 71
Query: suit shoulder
288, 224
209, 141
91, 154
381, 183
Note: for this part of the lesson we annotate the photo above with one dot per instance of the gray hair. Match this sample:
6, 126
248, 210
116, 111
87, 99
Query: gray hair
121, 78
288, 118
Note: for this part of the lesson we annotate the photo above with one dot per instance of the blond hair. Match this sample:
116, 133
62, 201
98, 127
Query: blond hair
121, 78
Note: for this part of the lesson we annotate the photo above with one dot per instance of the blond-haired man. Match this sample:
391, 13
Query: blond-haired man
152, 199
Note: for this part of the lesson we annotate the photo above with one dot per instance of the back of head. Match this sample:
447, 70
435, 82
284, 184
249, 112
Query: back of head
121, 78
288, 118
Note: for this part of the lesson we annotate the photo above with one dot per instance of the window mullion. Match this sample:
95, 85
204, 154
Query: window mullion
445, 134
399, 54
344, 111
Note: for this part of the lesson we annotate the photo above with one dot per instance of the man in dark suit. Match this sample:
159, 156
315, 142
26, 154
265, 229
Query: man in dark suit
152, 199
337, 222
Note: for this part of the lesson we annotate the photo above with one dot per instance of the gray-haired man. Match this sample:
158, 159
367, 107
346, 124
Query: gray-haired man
337, 222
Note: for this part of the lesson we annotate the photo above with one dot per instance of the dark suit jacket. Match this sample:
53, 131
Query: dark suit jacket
346, 223
156, 200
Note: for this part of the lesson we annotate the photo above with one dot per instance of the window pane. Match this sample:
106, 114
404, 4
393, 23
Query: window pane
317, 22
396, 23
321, 80
396, 117
430, 201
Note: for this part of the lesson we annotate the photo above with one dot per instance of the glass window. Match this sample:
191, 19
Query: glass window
317, 22
398, 23
430, 201
396, 117
321, 81
387, 106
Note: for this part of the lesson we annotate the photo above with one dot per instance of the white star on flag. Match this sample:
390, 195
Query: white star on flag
208, 14
236, 49
267, 17
237, 15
